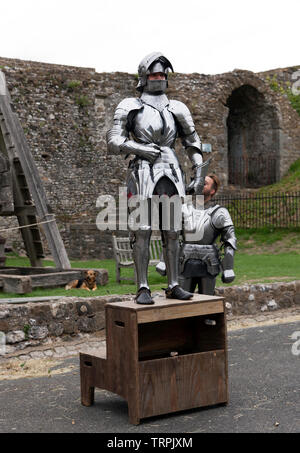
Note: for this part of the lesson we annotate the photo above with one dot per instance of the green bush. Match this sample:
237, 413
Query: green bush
82, 101
285, 90
294, 100
73, 84
295, 167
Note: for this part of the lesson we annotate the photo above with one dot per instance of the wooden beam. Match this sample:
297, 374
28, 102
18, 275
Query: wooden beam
19, 284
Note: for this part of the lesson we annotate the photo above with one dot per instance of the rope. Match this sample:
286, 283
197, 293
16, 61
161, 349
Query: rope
27, 226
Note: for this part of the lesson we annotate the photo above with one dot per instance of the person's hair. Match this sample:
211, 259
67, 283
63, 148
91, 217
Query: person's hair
216, 182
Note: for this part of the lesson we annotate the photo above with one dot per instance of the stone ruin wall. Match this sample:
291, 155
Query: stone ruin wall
65, 113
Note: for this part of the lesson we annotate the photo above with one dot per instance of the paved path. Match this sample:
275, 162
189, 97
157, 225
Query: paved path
264, 391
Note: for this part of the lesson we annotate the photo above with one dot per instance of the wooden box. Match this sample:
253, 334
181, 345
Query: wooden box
161, 358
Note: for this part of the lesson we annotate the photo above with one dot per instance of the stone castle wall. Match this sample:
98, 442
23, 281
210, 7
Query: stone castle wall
65, 113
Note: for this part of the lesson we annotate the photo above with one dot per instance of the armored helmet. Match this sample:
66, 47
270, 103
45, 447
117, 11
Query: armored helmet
154, 62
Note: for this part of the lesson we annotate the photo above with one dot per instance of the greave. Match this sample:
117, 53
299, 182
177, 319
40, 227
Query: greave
140, 254
171, 256
207, 286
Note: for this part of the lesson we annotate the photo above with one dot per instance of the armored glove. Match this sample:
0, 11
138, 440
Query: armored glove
228, 276
199, 179
150, 151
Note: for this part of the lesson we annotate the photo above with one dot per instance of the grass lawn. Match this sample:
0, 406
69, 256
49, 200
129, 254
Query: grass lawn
268, 241
249, 268
289, 183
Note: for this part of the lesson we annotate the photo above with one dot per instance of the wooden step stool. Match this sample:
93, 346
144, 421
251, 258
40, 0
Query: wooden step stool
161, 358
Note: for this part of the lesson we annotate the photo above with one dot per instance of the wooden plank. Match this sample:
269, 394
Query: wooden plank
163, 302
118, 350
160, 314
122, 353
18, 284
226, 349
184, 382
26, 234
87, 379
21, 284
22, 270
54, 279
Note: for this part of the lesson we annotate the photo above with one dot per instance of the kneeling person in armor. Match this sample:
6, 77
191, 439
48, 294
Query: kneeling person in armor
200, 261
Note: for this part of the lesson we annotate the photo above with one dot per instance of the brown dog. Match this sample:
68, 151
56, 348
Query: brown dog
88, 282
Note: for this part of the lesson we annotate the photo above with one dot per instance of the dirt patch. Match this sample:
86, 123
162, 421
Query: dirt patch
33, 368
248, 323
271, 279
289, 243
284, 316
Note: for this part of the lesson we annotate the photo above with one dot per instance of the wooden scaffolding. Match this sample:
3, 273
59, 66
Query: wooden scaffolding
21, 190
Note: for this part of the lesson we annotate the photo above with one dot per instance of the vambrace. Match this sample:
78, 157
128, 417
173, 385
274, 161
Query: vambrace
228, 237
229, 240
198, 182
228, 274
192, 141
118, 134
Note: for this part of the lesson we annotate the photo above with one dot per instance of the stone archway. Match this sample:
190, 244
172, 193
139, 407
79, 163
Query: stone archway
253, 139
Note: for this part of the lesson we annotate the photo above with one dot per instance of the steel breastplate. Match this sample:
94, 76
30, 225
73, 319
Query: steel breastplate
200, 219
152, 126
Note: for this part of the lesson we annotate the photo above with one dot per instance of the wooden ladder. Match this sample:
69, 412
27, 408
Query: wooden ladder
28, 192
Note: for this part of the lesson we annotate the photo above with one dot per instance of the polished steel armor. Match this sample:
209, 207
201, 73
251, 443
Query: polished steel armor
154, 123
147, 127
200, 260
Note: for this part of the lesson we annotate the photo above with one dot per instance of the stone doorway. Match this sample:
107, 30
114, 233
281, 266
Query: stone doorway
253, 139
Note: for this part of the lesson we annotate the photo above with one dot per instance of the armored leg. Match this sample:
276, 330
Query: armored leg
140, 248
171, 255
185, 283
207, 285
161, 266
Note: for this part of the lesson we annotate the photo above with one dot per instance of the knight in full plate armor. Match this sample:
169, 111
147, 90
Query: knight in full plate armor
147, 127
200, 261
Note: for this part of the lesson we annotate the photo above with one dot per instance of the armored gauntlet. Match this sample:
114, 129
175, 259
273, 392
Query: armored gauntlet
197, 185
229, 240
149, 152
